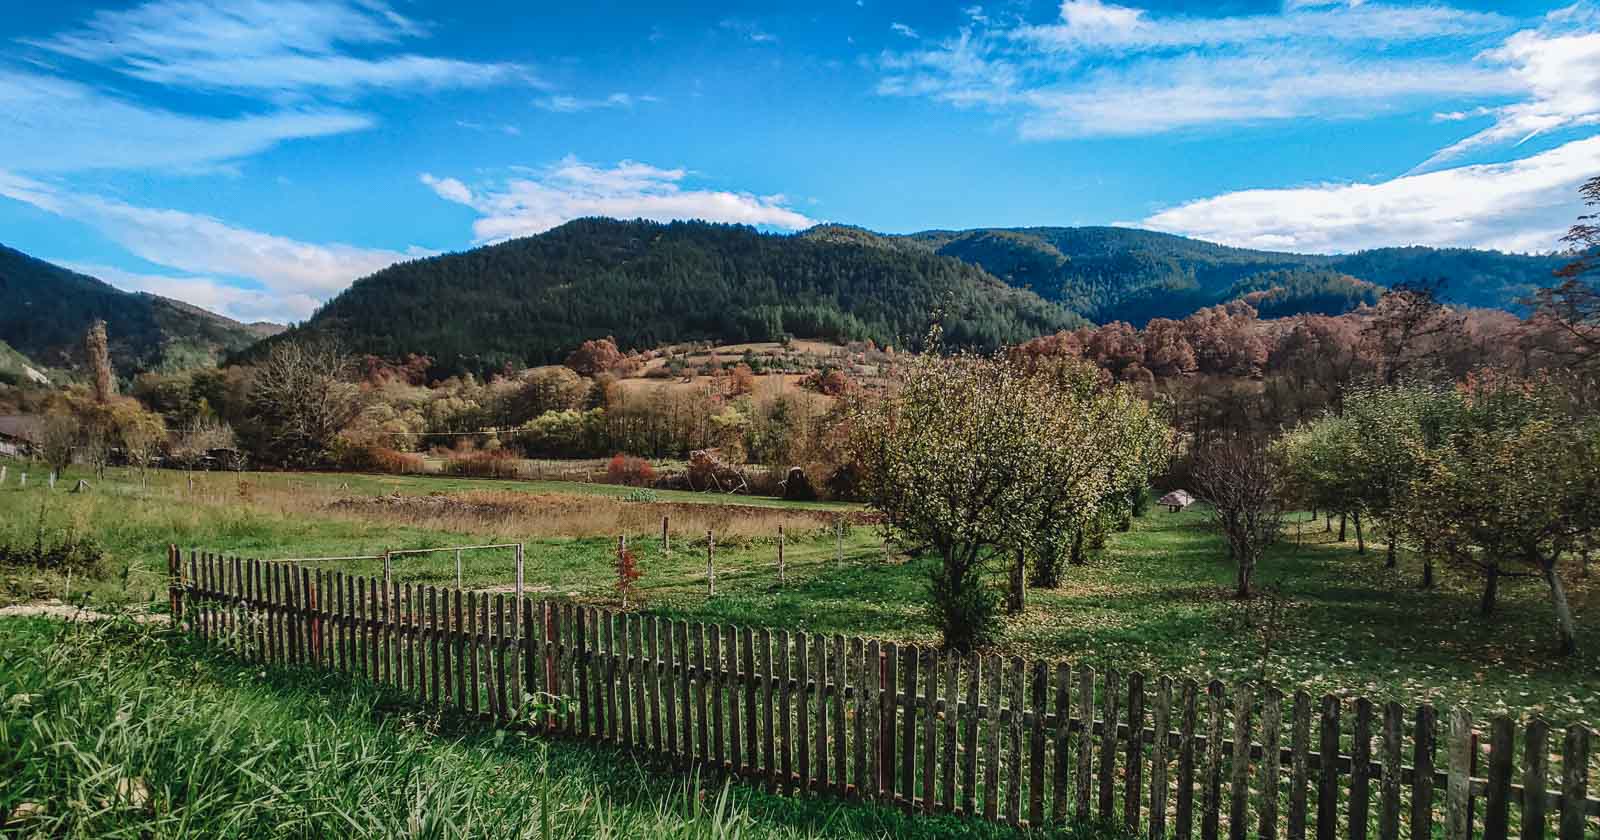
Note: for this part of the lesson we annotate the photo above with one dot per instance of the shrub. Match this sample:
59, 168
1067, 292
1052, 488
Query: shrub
68, 553
641, 494
374, 458
484, 463
626, 469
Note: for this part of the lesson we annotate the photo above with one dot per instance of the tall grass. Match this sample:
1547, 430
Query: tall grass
116, 730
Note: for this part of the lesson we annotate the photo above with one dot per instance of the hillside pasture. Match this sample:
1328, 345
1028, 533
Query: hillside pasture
1156, 598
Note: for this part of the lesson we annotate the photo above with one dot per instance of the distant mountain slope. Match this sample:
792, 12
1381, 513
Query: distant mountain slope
534, 299
17, 369
45, 309
1110, 274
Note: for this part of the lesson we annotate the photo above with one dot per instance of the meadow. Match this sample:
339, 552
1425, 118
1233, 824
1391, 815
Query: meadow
1156, 598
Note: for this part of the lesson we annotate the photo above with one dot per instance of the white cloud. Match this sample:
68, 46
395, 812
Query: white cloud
54, 125
903, 29
1104, 69
204, 245
503, 128
574, 104
573, 189
234, 301
1521, 205
1557, 68
269, 46
1190, 91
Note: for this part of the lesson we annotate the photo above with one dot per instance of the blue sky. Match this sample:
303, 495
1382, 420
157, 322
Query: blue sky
256, 156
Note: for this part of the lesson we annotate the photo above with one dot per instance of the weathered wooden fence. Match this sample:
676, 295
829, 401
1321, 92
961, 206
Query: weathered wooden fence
991, 737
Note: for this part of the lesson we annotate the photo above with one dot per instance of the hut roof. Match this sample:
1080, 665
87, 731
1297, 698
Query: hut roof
1177, 498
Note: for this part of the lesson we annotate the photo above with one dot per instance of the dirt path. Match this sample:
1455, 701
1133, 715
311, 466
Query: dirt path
68, 612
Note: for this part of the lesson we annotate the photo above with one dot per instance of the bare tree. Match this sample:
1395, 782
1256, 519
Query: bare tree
302, 398
1241, 481
1574, 304
58, 437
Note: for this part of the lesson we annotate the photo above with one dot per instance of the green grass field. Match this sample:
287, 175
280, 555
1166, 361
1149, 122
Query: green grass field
116, 730
1155, 599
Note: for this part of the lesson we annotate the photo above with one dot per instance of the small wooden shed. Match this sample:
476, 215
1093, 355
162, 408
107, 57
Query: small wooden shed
1176, 500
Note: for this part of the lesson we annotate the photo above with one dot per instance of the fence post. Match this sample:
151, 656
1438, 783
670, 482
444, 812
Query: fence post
838, 533
2, 474
666, 540
711, 571
175, 584
458, 568
516, 609
388, 571
780, 556
622, 551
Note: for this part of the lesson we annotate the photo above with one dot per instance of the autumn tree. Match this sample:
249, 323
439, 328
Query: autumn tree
595, 356
97, 350
951, 460
1241, 480
301, 398
1513, 490
1573, 305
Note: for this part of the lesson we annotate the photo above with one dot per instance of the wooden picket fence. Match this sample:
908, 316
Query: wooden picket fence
1030, 744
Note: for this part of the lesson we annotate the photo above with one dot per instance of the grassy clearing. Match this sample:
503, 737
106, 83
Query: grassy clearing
1155, 599
115, 730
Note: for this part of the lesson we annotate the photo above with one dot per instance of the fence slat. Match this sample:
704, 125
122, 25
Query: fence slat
1239, 781
1328, 771
1497, 792
1389, 783
669, 684
608, 627
840, 739
785, 703
908, 728
1459, 787
717, 682
863, 696
1160, 758
1038, 698
680, 632
1085, 742
1361, 771
501, 700
973, 665
642, 708
1211, 788
1016, 673
1186, 749
1574, 781
764, 675
747, 663
991, 738
1422, 778
888, 704
867, 709
952, 703
930, 729
820, 669
702, 726
735, 682
1062, 776
802, 717
374, 633
1271, 762
1299, 765
1108, 745
461, 652
1133, 765
1535, 779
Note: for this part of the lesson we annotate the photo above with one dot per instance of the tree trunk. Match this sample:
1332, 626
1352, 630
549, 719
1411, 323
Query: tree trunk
1242, 581
1327, 524
1341, 527
1076, 558
1584, 573
1389, 563
1017, 591
1361, 540
1491, 590
1568, 634
1427, 565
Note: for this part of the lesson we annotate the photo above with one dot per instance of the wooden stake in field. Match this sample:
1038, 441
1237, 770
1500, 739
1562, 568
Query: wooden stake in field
666, 542
711, 570
2, 474
780, 556
838, 540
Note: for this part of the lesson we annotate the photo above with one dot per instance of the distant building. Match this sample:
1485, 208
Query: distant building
19, 435
1176, 500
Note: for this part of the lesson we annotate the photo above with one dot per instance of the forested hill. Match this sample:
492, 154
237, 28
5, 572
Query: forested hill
45, 309
1122, 274
533, 300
